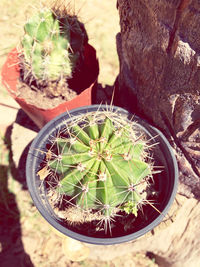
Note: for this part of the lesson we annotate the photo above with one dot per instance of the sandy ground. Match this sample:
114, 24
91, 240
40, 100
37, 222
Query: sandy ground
25, 237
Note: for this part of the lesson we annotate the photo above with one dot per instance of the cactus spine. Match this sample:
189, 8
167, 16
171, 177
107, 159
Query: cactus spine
52, 46
102, 165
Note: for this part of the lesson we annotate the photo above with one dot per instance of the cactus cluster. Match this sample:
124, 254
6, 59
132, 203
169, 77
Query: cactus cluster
102, 164
52, 46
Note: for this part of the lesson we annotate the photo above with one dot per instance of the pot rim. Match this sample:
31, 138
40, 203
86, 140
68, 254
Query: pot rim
11, 74
78, 236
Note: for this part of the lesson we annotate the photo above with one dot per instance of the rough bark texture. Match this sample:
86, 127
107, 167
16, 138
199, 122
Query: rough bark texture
173, 245
159, 52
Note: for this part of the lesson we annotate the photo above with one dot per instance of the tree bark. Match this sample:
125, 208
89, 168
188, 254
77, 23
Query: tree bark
174, 244
159, 79
159, 53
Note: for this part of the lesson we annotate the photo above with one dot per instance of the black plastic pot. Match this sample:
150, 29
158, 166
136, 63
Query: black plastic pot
166, 182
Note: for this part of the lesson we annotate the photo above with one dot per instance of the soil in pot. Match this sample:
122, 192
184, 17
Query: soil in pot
91, 222
48, 97
53, 57
40, 99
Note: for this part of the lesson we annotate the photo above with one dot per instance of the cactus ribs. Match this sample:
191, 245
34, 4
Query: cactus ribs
51, 54
97, 168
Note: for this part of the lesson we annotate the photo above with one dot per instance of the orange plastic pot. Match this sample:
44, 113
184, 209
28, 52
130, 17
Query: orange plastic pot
86, 80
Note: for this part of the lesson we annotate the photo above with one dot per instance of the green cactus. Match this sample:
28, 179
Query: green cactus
52, 46
101, 163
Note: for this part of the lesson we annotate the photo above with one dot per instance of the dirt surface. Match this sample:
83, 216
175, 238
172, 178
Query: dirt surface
26, 239
40, 99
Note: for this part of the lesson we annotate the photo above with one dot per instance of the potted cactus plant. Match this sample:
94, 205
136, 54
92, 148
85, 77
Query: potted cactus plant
53, 60
100, 177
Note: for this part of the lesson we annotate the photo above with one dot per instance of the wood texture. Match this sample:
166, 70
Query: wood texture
175, 244
159, 53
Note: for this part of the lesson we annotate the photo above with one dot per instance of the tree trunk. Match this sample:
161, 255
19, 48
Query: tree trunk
174, 244
159, 79
159, 52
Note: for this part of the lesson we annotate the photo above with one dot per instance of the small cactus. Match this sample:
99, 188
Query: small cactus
102, 164
52, 46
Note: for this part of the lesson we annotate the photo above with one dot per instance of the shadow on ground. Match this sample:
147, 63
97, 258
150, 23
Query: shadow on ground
11, 251
11, 246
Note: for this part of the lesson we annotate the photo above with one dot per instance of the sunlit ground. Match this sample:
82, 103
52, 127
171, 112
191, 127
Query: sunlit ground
22, 229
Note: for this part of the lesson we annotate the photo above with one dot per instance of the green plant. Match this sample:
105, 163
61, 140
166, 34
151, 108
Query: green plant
101, 165
52, 47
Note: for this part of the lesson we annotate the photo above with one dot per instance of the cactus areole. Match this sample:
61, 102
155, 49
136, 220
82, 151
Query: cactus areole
52, 46
54, 68
101, 177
